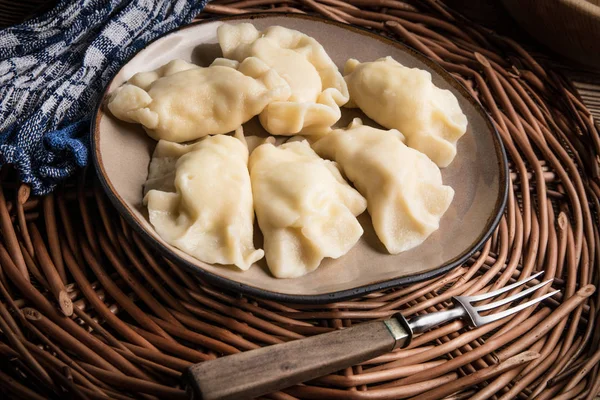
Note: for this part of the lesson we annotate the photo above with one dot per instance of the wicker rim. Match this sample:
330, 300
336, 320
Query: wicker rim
89, 310
250, 290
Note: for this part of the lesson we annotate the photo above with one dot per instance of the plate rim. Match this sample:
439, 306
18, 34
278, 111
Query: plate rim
323, 298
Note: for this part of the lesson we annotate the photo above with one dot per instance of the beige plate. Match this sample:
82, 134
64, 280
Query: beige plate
478, 174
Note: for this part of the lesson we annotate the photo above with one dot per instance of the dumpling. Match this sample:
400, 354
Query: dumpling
181, 101
318, 88
405, 195
305, 209
407, 100
144, 80
204, 207
163, 165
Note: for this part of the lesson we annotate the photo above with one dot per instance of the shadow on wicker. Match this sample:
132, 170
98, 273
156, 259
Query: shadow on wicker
87, 309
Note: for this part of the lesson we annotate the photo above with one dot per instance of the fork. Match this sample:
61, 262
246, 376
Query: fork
268, 369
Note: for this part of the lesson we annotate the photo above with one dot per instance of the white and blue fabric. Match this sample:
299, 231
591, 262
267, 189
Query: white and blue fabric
53, 69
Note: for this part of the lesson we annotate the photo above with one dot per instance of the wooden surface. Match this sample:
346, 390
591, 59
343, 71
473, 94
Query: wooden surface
493, 15
570, 27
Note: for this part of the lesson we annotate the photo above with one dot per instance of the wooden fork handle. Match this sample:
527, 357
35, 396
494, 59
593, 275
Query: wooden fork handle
257, 372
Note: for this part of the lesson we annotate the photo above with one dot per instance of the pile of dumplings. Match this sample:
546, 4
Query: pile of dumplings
204, 187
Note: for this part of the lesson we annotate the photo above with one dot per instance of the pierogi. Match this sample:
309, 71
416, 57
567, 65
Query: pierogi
202, 197
181, 101
403, 187
407, 100
305, 209
317, 87
199, 199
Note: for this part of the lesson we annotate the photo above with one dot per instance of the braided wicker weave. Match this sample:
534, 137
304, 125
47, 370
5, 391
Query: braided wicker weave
135, 322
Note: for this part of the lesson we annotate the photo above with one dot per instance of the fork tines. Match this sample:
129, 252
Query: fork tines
473, 311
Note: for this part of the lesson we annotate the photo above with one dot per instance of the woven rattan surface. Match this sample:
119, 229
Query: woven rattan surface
135, 321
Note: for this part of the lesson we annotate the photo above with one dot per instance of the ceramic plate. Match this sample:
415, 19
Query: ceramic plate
478, 174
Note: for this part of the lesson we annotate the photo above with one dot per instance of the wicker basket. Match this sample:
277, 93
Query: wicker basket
87, 309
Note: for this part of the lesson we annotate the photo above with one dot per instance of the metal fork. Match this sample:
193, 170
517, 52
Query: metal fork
261, 371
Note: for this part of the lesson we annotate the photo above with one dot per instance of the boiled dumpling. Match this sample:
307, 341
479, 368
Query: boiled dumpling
318, 88
162, 168
305, 209
200, 200
144, 80
407, 100
405, 195
181, 101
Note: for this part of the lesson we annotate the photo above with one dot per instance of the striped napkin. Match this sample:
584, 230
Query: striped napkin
53, 69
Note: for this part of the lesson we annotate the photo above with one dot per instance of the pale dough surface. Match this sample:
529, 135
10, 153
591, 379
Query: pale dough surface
305, 209
181, 102
406, 99
199, 199
318, 89
404, 191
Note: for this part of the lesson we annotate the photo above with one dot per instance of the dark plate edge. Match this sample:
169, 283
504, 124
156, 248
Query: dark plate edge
326, 297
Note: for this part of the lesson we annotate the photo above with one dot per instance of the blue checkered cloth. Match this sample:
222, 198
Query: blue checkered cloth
53, 70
